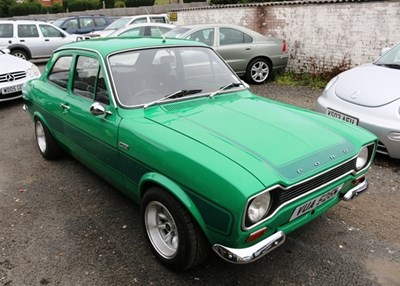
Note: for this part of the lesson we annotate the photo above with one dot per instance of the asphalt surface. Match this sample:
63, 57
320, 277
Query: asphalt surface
60, 224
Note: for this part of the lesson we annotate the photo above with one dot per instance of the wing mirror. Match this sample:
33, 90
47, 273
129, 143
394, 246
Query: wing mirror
384, 50
97, 109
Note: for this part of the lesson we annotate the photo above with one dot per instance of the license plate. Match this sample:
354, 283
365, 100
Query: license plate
310, 205
11, 89
342, 116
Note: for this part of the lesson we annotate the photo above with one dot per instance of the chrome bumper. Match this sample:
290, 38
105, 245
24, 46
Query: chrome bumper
252, 253
354, 192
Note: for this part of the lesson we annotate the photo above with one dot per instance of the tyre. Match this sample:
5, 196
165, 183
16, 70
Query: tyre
48, 147
174, 237
20, 54
258, 71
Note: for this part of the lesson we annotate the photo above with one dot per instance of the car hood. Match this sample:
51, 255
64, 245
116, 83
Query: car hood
103, 33
369, 85
265, 139
10, 63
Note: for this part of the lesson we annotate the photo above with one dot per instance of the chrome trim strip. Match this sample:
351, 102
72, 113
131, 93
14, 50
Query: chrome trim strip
252, 253
305, 194
354, 192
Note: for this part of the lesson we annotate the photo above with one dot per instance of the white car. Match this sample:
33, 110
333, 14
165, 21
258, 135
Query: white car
14, 72
368, 96
129, 20
143, 30
29, 39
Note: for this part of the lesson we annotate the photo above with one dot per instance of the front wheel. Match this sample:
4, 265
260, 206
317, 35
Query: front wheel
48, 147
175, 238
258, 70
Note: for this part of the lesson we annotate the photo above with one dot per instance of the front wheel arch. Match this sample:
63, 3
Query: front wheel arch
153, 179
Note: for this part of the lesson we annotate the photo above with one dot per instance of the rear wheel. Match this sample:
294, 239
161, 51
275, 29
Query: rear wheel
48, 147
258, 70
20, 54
175, 238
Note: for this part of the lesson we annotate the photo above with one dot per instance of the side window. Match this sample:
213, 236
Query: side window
86, 23
134, 32
49, 31
158, 19
89, 80
229, 36
85, 74
100, 22
155, 32
28, 31
71, 24
139, 20
59, 74
205, 36
6, 30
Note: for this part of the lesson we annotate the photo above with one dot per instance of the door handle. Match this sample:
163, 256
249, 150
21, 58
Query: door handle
22, 40
65, 107
46, 40
248, 49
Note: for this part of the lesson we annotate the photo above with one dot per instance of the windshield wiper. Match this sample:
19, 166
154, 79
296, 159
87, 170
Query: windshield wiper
393, 66
225, 87
176, 94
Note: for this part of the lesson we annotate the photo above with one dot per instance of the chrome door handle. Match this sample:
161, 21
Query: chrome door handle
64, 106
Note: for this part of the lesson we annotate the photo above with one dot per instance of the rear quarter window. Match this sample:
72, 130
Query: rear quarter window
6, 30
59, 73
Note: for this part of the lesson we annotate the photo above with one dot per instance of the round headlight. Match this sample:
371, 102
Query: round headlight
362, 158
33, 71
259, 207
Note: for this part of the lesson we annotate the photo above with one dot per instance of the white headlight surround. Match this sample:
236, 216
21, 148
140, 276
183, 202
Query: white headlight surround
33, 71
330, 84
258, 207
362, 158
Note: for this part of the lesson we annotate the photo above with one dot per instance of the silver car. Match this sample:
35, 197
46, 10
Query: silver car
369, 96
28, 39
143, 30
249, 53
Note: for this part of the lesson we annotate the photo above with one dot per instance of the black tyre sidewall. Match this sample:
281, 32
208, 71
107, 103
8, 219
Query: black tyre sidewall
183, 259
21, 52
52, 151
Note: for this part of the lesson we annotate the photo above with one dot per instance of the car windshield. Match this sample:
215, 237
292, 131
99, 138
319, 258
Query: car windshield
58, 22
118, 24
163, 74
176, 32
391, 58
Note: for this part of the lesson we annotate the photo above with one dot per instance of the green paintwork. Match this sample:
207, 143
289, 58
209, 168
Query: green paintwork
212, 154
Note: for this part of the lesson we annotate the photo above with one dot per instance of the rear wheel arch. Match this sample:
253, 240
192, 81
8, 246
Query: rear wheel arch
24, 49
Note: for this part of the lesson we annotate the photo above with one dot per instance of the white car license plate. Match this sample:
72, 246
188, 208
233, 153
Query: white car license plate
310, 205
342, 116
11, 89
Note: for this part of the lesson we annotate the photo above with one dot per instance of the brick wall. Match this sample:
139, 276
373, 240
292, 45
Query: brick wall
319, 36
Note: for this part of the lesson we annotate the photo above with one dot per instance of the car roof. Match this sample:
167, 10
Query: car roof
22, 21
106, 46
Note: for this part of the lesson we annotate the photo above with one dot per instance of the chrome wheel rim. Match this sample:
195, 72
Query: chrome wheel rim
161, 229
40, 137
259, 71
20, 55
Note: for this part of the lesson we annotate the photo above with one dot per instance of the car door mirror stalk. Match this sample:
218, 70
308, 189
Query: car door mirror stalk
97, 109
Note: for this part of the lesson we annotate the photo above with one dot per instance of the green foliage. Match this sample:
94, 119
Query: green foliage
82, 5
56, 8
223, 2
138, 3
26, 8
109, 3
190, 1
119, 4
301, 79
4, 6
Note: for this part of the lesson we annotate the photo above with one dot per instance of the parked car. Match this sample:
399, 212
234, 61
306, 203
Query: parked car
368, 96
14, 72
168, 123
249, 53
83, 24
143, 30
124, 22
28, 39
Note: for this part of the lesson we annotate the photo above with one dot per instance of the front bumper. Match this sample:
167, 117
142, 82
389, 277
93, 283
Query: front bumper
258, 250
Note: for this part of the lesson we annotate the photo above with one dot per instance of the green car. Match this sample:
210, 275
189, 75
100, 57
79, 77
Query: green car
213, 166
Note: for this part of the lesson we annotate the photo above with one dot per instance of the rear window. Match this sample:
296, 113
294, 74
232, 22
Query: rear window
6, 30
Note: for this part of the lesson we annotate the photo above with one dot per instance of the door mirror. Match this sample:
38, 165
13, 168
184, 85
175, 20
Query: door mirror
384, 50
97, 109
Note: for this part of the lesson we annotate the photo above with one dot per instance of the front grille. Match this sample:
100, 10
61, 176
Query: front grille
281, 196
12, 76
